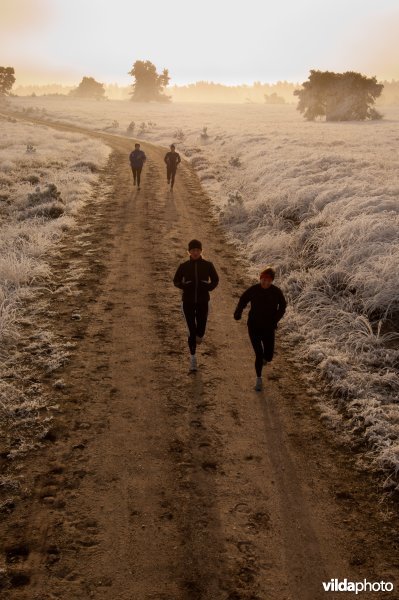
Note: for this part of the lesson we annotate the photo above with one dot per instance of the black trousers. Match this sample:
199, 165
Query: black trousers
196, 316
262, 340
170, 174
136, 174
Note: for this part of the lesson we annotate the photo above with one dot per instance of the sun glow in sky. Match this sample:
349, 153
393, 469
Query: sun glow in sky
228, 41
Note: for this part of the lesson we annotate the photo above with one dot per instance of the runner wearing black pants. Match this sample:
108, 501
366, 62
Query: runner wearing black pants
267, 308
137, 159
172, 159
196, 277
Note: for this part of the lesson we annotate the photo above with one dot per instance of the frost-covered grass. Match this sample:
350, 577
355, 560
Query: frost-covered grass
45, 179
319, 201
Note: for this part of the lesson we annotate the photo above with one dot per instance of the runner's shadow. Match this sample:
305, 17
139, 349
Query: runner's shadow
196, 384
170, 205
302, 546
200, 515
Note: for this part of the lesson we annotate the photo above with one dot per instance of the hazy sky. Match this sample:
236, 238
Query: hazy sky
228, 41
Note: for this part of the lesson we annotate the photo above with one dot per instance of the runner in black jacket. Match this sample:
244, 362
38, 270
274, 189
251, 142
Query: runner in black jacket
196, 277
172, 159
267, 308
137, 159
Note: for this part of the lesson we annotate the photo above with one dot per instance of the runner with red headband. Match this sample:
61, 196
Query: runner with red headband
267, 308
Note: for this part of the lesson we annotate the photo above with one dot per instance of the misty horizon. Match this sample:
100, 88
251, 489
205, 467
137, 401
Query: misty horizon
280, 92
267, 43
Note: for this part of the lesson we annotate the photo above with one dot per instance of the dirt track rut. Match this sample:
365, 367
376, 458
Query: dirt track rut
162, 485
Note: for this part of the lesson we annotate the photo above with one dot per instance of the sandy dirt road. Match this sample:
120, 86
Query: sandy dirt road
157, 484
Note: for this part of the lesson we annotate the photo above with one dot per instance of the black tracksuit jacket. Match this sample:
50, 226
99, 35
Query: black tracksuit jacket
172, 159
196, 278
137, 159
267, 306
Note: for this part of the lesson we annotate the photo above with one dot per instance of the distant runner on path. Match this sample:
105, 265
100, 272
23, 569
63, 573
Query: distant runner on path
172, 159
137, 159
196, 277
267, 308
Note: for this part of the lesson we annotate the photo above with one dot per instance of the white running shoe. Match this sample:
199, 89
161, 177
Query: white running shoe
193, 362
259, 384
198, 339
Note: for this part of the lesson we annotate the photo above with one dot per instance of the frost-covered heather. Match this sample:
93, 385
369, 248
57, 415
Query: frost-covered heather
45, 178
321, 202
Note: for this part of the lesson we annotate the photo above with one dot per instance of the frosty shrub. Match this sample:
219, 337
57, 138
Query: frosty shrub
8, 318
235, 199
32, 179
46, 203
235, 161
50, 193
179, 135
204, 134
130, 128
234, 213
207, 176
114, 125
192, 151
199, 162
87, 165
51, 210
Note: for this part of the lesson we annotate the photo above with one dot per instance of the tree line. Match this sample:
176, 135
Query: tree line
148, 86
333, 96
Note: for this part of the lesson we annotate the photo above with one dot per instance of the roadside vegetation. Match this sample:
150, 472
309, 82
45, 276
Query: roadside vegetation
46, 178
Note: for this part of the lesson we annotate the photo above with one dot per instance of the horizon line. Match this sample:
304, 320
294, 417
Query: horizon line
208, 82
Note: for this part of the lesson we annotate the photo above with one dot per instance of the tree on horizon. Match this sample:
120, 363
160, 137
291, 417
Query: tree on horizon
348, 96
7, 80
89, 88
273, 98
148, 85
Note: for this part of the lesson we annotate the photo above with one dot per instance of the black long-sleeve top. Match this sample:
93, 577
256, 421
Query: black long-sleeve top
196, 278
267, 306
137, 159
172, 159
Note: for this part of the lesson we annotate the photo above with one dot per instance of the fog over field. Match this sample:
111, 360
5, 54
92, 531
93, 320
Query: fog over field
320, 202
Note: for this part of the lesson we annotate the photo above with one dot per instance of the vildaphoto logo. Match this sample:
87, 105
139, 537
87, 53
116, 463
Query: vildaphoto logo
335, 585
